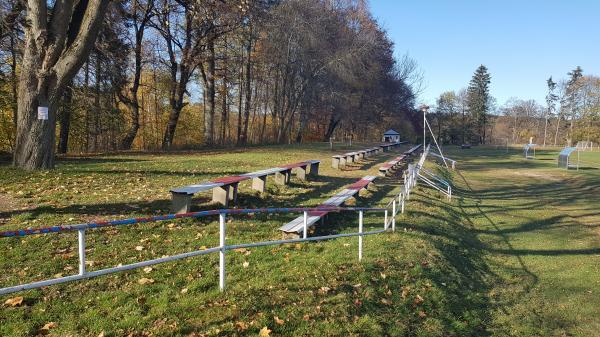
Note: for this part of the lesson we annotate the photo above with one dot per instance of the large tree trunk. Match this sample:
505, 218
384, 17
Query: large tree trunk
48, 65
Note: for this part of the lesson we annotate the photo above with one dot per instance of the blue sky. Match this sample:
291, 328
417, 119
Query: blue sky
521, 42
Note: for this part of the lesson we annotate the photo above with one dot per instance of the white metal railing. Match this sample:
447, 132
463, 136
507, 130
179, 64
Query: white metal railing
221, 249
410, 177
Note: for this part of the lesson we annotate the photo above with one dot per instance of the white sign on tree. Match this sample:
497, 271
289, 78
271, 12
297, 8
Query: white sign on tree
43, 113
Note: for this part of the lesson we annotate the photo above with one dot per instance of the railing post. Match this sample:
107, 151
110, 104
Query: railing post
394, 216
305, 229
222, 251
402, 203
360, 238
385, 221
81, 246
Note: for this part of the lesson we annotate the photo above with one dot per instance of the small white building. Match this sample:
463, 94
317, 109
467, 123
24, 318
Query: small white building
391, 136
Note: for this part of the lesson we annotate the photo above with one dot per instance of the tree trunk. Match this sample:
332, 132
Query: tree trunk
13, 80
244, 137
333, 123
129, 137
65, 121
209, 92
171, 126
557, 129
48, 65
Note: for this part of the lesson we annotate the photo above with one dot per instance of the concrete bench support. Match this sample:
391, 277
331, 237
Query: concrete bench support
283, 177
181, 202
260, 184
224, 194
314, 169
337, 162
301, 172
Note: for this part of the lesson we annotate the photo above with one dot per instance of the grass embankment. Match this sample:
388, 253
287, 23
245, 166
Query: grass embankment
515, 253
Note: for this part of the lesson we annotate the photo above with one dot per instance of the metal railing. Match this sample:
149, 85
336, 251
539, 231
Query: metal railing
410, 176
221, 249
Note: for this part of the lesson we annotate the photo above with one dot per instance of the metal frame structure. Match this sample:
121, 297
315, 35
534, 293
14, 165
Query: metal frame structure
221, 249
526, 151
564, 158
428, 177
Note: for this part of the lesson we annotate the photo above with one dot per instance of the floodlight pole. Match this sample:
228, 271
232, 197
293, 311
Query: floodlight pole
424, 108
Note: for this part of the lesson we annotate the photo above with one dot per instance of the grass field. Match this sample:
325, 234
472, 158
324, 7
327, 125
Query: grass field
515, 253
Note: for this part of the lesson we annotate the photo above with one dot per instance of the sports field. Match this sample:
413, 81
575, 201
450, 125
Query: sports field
515, 253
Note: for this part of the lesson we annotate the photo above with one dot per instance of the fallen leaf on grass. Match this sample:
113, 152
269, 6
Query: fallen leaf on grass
386, 301
418, 300
241, 326
324, 290
264, 332
422, 314
184, 290
246, 264
144, 281
405, 291
139, 248
147, 270
46, 328
278, 320
14, 302
242, 251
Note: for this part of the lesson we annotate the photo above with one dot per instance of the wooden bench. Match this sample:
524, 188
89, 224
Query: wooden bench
412, 150
295, 227
225, 189
391, 165
341, 160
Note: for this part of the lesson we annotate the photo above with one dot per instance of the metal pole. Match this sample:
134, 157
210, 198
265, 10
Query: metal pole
81, 244
402, 204
305, 229
385, 221
222, 251
360, 238
424, 126
394, 216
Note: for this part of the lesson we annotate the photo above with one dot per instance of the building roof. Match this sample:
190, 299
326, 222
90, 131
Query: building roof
391, 132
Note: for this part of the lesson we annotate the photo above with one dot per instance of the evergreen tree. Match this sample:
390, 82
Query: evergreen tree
478, 101
551, 99
572, 95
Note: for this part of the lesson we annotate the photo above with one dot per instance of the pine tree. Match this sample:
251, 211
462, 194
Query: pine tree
573, 86
478, 101
551, 99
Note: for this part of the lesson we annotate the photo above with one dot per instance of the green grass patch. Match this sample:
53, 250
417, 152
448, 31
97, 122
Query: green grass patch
515, 253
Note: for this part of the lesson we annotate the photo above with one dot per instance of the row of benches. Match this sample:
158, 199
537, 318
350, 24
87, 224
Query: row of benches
391, 165
296, 226
225, 188
339, 161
